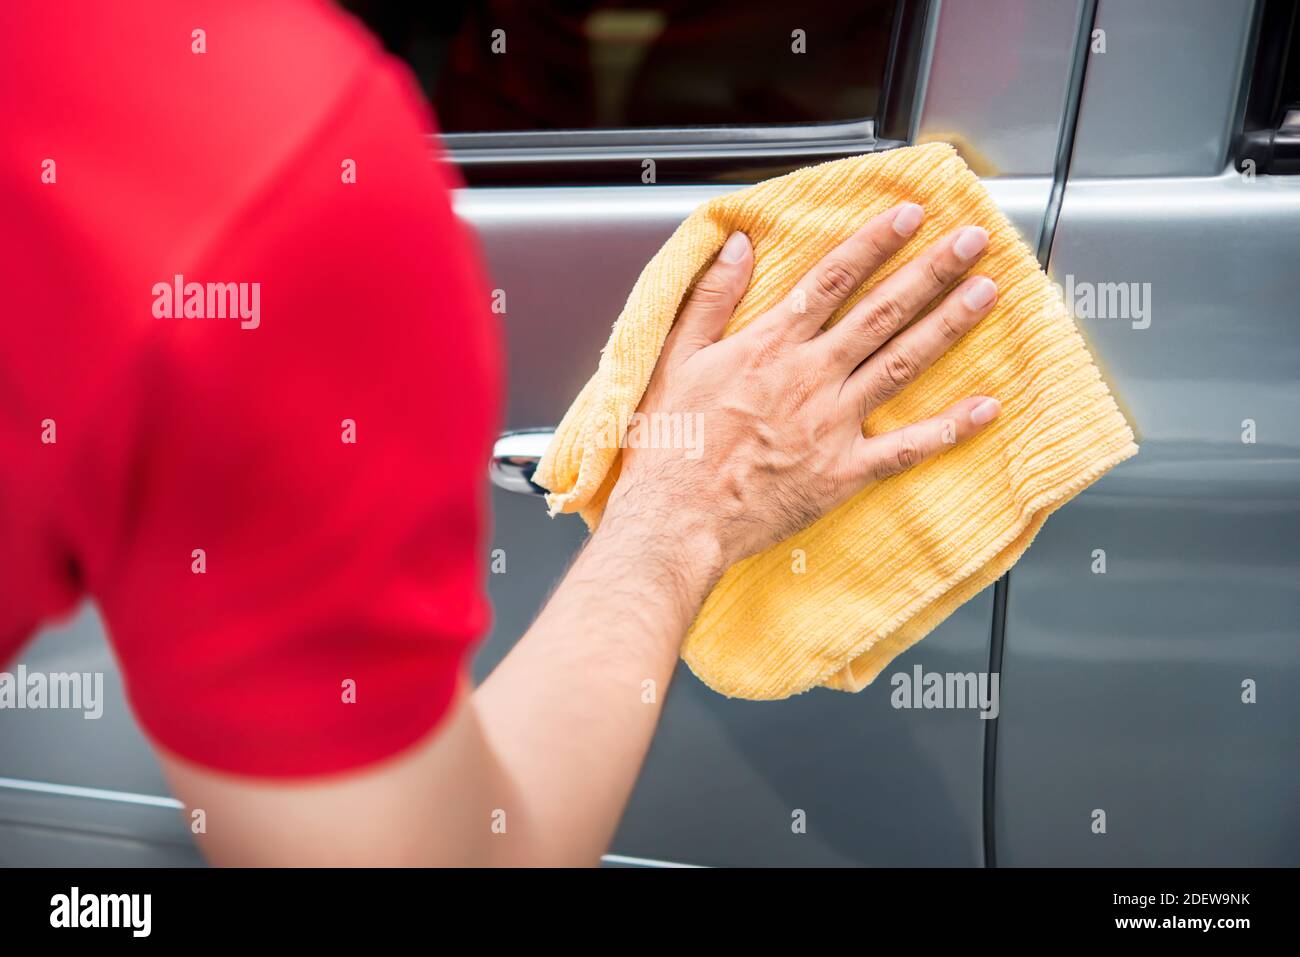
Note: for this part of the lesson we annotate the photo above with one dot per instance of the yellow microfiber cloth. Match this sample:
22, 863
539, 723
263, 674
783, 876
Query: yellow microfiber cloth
882, 570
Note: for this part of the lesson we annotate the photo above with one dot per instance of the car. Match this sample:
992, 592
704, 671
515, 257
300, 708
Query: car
1146, 647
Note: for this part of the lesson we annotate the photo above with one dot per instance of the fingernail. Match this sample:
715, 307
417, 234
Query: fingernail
734, 250
985, 412
980, 292
907, 218
970, 243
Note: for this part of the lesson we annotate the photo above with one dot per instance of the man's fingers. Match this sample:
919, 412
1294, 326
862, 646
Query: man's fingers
893, 367
884, 455
712, 300
892, 304
837, 276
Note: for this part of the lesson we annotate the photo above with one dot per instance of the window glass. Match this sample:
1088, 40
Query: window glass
628, 64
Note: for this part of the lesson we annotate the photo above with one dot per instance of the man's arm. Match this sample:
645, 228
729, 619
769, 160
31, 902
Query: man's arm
571, 710
537, 765
534, 767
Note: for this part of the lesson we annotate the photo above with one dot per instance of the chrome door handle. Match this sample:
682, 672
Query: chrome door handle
515, 457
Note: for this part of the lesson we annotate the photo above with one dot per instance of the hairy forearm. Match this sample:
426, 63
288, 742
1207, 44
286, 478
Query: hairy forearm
570, 712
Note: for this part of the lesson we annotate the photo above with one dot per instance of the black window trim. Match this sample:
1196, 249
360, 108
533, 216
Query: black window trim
1260, 141
732, 154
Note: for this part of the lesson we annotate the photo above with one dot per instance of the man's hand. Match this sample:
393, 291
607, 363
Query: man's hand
782, 402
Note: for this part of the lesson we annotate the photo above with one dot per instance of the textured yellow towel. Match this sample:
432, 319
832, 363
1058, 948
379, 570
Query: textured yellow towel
882, 570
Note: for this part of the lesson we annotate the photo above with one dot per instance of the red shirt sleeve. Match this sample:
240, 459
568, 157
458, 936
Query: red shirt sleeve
281, 514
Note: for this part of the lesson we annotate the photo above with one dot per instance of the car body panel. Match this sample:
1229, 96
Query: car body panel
1123, 691
1165, 97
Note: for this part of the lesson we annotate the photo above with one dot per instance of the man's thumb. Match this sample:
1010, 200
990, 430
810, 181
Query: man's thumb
713, 298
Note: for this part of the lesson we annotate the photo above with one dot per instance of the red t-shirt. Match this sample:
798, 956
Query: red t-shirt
278, 510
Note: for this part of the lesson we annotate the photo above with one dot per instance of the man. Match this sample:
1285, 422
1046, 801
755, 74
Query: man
249, 386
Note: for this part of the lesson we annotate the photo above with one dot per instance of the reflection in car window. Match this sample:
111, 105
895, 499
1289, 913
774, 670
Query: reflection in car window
496, 65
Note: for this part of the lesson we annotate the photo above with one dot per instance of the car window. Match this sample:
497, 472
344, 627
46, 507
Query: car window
499, 66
